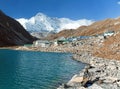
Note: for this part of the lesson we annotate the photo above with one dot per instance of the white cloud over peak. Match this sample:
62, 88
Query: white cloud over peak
43, 23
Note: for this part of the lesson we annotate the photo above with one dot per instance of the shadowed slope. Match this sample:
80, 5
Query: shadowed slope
12, 33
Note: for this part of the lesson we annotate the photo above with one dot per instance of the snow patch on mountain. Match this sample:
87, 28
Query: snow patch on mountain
44, 23
23, 21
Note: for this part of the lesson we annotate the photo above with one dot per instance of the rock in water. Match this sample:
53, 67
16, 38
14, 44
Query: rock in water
12, 33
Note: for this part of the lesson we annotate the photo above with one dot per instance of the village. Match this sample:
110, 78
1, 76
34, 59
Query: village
70, 40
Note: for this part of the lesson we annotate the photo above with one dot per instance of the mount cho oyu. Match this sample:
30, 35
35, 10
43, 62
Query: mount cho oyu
41, 25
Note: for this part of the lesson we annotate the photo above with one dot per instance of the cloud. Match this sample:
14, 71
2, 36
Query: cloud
118, 2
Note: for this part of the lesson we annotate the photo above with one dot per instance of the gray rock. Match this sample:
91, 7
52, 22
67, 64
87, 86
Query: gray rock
95, 86
109, 86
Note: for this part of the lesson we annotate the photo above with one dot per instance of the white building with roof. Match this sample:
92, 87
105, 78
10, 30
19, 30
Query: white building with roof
41, 43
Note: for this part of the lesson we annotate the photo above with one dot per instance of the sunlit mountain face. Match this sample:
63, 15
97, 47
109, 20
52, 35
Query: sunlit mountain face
43, 23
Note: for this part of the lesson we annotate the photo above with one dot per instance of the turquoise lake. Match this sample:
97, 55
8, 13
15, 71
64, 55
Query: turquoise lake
36, 70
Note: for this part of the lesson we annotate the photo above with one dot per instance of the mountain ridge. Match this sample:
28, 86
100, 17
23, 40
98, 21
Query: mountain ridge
42, 23
12, 32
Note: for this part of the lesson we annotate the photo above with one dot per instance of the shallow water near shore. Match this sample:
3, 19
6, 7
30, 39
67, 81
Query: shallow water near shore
35, 70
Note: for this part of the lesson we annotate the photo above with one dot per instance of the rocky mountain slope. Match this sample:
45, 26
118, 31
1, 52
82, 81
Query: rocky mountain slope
12, 33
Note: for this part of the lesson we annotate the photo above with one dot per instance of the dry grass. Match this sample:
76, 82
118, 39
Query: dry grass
110, 49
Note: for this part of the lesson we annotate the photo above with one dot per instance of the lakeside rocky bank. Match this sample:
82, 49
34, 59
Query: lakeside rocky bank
100, 73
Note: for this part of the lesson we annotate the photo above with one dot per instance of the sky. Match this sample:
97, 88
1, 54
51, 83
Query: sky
73, 9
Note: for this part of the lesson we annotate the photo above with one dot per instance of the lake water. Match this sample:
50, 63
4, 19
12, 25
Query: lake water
35, 70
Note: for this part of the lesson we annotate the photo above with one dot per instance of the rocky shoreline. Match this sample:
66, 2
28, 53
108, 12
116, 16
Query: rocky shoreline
100, 73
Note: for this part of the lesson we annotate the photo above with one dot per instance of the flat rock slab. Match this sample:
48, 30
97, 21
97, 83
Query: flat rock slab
75, 79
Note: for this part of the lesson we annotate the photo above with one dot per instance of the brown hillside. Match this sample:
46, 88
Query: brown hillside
111, 48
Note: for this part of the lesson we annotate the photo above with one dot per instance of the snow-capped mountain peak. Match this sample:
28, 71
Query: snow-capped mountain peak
43, 23
40, 17
41, 14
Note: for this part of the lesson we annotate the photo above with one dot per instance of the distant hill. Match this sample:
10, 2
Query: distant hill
94, 29
12, 33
